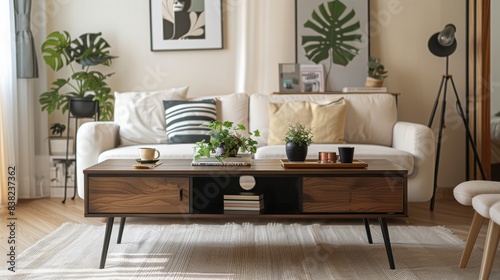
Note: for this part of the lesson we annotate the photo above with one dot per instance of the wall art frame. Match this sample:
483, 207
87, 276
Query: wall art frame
185, 24
317, 39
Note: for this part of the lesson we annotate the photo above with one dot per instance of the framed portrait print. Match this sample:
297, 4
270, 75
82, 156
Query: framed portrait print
336, 35
185, 24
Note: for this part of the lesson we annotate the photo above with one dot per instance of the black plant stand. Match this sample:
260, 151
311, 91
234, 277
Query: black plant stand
95, 116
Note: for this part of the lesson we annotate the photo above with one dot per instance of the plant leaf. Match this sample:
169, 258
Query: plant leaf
333, 35
55, 50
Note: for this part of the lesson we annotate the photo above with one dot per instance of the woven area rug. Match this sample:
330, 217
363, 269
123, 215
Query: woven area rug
235, 251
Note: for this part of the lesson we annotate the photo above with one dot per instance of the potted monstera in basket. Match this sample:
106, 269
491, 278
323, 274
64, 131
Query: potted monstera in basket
297, 138
226, 140
84, 85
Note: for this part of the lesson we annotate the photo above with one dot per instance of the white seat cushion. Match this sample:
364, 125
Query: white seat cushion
464, 192
361, 151
483, 202
170, 151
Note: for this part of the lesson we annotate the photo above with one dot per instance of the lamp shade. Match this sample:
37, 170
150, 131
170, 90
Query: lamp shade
443, 43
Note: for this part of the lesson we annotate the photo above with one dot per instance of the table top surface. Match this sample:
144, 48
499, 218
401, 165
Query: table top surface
259, 167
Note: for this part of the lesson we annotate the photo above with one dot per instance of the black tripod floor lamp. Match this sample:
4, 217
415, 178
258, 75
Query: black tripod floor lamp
443, 44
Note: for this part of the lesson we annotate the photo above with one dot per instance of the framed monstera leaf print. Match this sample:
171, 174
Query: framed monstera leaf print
335, 34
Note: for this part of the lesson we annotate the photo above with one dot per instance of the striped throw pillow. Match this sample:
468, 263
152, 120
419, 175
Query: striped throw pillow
183, 119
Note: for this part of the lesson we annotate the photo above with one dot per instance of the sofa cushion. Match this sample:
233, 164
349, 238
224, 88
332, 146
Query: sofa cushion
361, 151
370, 117
171, 151
230, 107
184, 120
326, 118
141, 116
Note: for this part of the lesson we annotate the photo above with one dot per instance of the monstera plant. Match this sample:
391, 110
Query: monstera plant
79, 56
335, 31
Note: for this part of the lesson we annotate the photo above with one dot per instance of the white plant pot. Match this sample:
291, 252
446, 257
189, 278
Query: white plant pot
57, 146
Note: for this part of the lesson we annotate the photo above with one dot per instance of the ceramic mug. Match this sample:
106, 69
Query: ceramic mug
149, 153
346, 154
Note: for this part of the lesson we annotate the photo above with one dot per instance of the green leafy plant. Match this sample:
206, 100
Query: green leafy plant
334, 33
375, 69
88, 50
225, 141
57, 128
298, 134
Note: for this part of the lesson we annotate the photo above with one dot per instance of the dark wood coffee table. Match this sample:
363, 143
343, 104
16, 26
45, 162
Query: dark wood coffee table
114, 188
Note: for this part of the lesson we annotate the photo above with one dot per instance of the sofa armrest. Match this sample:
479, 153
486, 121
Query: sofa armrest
418, 140
92, 139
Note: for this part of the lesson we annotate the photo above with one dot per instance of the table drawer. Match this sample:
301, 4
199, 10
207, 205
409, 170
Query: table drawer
354, 195
138, 195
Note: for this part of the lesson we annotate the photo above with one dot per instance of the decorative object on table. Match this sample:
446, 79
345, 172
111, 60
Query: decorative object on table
329, 33
376, 73
226, 140
57, 144
149, 154
289, 77
346, 154
443, 44
314, 164
327, 157
185, 24
297, 138
84, 83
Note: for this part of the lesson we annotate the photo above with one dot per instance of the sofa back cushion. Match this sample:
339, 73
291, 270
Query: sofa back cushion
230, 107
325, 118
184, 120
141, 116
370, 118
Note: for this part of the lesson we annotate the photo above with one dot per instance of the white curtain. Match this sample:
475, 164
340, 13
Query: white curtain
8, 103
265, 38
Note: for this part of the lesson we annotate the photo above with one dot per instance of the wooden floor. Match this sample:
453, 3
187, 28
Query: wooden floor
37, 218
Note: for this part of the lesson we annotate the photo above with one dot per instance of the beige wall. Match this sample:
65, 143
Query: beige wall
401, 29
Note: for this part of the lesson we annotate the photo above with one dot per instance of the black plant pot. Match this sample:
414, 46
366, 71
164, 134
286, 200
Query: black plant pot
296, 152
83, 107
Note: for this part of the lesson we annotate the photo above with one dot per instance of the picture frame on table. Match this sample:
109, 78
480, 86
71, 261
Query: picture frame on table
343, 26
185, 24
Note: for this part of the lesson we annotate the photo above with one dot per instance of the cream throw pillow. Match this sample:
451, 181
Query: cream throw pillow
141, 115
326, 118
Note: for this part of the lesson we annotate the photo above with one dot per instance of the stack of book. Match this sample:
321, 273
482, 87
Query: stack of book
244, 203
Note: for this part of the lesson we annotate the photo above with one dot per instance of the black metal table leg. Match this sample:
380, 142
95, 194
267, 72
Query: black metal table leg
368, 231
387, 241
107, 236
120, 231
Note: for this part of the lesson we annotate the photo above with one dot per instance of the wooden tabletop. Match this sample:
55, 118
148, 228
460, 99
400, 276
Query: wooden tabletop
259, 167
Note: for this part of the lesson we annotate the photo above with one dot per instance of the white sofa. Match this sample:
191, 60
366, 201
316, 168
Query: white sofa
371, 126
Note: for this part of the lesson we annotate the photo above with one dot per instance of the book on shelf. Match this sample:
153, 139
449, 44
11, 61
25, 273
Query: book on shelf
364, 89
244, 196
257, 209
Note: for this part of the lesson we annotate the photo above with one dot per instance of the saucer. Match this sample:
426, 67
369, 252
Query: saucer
147, 161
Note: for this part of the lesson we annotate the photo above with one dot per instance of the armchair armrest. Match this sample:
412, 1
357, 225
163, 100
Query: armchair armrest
92, 139
418, 140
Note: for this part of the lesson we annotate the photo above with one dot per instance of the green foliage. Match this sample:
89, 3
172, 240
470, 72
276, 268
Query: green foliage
298, 134
88, 50
57, 128
226, 135
334, 33
375, 69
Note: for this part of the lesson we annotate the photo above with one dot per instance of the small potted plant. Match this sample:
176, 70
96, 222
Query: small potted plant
57, 143
84, 85
226, 141
376, 73
297, 138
